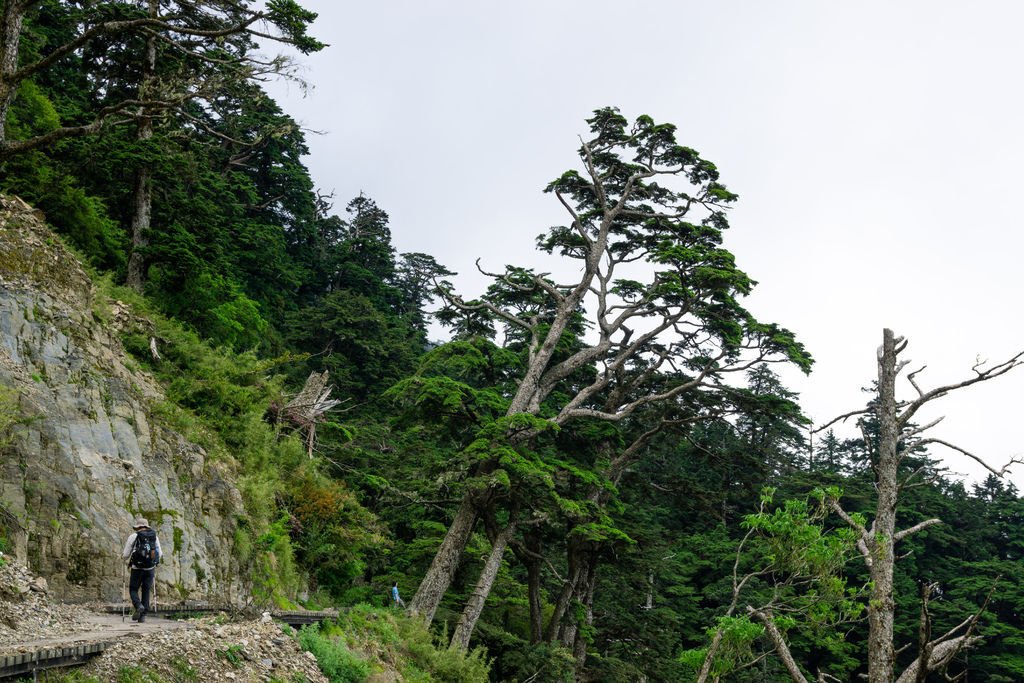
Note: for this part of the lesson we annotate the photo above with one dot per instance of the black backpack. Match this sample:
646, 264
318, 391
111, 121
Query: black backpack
144, 555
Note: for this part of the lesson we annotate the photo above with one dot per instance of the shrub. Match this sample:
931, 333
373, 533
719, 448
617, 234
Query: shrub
333, 657
412, 648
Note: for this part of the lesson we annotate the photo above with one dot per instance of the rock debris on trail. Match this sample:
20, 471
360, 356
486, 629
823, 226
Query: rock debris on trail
197, 650
25, 612
241, 651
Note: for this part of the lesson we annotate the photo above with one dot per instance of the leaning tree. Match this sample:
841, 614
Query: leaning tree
658, 296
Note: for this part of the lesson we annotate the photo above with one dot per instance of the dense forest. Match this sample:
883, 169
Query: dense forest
603, 479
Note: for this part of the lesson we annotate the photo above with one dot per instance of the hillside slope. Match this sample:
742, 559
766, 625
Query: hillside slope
89, 452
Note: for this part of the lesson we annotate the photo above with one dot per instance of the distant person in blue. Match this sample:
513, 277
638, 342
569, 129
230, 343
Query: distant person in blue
142, 553
396, 597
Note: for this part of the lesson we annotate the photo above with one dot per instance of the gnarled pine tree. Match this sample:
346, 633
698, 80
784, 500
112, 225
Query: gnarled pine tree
682, 317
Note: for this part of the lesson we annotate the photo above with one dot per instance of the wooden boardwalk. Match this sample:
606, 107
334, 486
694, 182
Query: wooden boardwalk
19, 664
28, 657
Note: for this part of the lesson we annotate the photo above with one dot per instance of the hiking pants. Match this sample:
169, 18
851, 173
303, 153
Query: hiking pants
140, 578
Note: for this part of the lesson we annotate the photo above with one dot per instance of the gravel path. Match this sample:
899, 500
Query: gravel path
207, 649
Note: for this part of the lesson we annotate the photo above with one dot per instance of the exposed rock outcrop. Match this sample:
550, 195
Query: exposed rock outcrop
89, 454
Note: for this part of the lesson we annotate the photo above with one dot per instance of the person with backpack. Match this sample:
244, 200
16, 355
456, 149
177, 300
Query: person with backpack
142, 553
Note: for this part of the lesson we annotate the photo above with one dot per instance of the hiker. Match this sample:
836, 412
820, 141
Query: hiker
396, 597
142, 553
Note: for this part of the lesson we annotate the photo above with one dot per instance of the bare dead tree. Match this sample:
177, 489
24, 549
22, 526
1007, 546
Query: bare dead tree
877, 542
310, 407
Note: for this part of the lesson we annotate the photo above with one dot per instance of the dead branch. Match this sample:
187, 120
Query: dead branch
999, 473
864, 534
940, 656
941, 651
918, 430
737, 588
841, 418
900, 535
912, 378
924, 638
980, 375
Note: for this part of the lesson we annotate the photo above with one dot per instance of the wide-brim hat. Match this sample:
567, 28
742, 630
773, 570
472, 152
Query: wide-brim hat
140, 523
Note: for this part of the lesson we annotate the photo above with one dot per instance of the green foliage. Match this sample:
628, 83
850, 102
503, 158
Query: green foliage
333, 657
232, 655
52, 186
369, 345
458, 387
793, 539
231, 318
394, 643
294, 22
336, 537
275, 576
137, 674
738, 635
33, 113
539, 661
183, 671
791, 561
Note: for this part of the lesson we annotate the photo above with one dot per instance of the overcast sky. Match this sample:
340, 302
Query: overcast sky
876, 148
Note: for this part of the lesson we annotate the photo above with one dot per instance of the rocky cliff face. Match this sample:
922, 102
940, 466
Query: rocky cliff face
89, 455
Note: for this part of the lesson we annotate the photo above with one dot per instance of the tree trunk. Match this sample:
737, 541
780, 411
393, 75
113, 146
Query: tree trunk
881, 606
579, 646
555, 624
527, 399
565, 622
437, 579
10, 40
709, 658
533, 581
475, 604
142, 208
781, 648
142, 195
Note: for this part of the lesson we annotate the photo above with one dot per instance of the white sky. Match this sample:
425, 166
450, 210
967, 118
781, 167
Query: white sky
875, 147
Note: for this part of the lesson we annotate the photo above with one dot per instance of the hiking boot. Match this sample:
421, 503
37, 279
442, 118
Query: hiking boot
135, 614
142, 615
